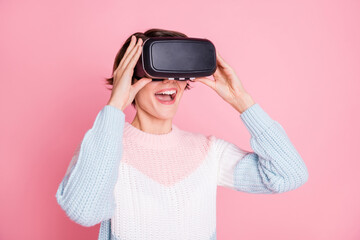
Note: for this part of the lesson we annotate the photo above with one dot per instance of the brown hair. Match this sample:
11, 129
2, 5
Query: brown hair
154, 32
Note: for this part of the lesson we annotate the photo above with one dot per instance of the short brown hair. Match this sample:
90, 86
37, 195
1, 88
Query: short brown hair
153, 32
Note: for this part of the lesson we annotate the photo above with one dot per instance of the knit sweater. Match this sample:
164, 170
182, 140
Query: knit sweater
143, 186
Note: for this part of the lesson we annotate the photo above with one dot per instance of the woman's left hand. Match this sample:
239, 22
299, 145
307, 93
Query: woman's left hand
228, 86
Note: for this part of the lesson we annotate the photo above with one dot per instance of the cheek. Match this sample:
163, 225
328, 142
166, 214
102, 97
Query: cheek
145, 94
146, 90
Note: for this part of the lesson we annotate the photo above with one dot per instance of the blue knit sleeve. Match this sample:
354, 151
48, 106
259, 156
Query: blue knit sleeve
86, 193
275, 166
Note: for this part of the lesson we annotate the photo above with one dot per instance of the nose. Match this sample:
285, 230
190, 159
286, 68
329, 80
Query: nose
171, 81
168, 80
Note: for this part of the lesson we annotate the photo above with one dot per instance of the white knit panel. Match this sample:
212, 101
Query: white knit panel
146, 209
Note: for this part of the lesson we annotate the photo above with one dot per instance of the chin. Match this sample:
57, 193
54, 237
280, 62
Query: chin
163, 113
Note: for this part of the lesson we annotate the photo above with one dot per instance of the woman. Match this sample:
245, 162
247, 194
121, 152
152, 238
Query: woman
151, 180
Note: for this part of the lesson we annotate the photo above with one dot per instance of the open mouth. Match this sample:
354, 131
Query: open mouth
165, 97
168, 95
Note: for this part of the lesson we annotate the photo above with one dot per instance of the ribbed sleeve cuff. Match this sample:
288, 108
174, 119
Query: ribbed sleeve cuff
256, 120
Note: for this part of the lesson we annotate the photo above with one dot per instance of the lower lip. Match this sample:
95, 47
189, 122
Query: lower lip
166, 102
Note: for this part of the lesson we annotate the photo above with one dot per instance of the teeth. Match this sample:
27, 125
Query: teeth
168, 92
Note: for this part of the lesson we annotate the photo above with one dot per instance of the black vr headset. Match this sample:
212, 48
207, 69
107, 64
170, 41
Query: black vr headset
176, 58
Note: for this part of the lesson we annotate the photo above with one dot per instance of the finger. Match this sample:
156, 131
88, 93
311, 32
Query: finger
207, 81
131, 54
125, 59
129, 48
140, 84
221, 61
217, 74
134, 59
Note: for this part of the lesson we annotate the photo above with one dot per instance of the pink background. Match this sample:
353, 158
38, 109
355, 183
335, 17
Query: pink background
298, 59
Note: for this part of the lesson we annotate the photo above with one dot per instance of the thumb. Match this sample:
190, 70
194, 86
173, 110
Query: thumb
140, 84
206, 81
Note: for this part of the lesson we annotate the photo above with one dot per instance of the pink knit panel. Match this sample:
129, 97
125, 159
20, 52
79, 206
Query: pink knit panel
169, 165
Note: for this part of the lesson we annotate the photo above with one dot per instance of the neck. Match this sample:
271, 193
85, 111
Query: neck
152, 125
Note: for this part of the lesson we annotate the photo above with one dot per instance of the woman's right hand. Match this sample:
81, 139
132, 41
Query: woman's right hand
123, 92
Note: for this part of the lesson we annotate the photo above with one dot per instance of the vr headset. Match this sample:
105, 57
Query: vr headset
176, 58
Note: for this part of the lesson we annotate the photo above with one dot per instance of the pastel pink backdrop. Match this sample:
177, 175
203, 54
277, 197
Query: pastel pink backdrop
298, 59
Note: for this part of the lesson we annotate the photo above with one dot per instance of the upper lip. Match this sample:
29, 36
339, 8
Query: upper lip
167, 89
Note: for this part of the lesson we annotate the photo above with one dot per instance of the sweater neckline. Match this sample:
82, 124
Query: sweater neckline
152, 140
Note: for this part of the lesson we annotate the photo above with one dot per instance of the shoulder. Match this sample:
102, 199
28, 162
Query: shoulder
208, 141
195, 137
